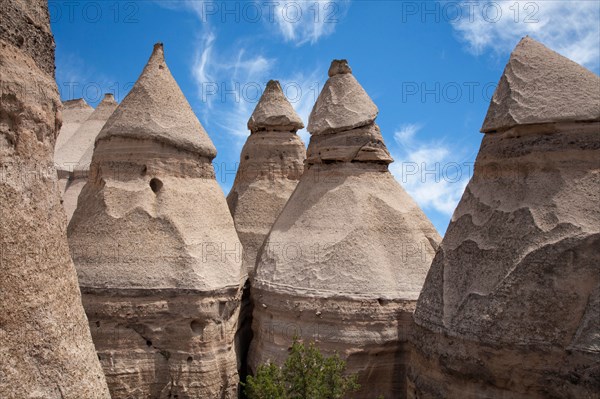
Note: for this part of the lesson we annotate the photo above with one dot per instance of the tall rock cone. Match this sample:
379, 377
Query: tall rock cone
73, 158
345, 261
511, 305
158, 258
271, 164
46, 350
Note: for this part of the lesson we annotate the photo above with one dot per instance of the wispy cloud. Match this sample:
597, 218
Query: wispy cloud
302, 22
568, 27
429, 170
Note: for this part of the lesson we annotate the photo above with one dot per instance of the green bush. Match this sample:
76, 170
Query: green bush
306, 374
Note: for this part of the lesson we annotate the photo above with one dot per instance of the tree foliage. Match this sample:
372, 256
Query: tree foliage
306, 374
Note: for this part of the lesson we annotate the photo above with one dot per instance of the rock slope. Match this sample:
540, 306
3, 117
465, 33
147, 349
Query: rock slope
158, 258
345, 261
510, 307
46, 350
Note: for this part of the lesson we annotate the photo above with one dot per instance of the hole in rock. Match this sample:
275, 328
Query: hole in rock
97, 324
149, 343
156, 185
247, 157
197, 326
144, 170
189, 359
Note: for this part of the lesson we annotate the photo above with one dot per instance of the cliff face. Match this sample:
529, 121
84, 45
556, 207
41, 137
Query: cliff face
46, 349
511, 302
158, 258
345, 260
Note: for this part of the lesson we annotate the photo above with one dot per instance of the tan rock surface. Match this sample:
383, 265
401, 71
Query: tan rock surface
74, 113
541, 86
158, 258
46, 349
274, 111
510, 306
342, 104
345, 261
73, 159
271, 164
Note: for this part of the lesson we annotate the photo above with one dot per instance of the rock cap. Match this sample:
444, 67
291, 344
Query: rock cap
541, 86
274, 111
342, 104
76, 103
338, 67
156, 109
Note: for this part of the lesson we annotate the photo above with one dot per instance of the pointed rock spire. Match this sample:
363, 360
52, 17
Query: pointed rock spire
541, 86
342, 122
350, 245
516, 277
342, 104
274, 111
169, 249
156, 109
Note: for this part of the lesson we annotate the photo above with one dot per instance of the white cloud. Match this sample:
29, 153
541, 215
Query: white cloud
430, 171
571, 28
303, 22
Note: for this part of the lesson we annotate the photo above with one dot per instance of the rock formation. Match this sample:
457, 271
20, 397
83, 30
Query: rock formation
158, 258
345, 261
511, 305
271, 164
46, 350
74, 157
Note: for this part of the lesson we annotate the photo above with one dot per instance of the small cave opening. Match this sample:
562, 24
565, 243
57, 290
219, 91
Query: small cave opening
148, 343
156, 185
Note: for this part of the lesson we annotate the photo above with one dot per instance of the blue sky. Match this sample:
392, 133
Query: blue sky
430, 66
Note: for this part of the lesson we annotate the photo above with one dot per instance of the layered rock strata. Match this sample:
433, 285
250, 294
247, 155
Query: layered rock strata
158, 258
46, 350
511, 305
345, 260
73, 158
271, 164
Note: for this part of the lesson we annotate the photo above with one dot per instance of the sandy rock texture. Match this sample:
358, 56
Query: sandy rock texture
46, 350
271, 164
158, 258
74, 157
510, 307
346, 259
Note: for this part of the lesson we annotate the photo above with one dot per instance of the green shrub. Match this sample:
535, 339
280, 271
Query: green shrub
306, 374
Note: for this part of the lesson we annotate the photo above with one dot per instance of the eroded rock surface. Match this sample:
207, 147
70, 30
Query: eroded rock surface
46, 350
158, 258
510, 307
346, 259
73, 158
271, 164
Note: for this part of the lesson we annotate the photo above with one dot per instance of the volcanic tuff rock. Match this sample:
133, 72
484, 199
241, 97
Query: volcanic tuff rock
74, 113
158, 258
346, 258
511, 305
271, 164
73, 158
46, 350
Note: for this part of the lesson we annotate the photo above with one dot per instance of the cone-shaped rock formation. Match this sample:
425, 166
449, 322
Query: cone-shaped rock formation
271, 164
345, 261
74, 157
46, 350
158, 258
511, 305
